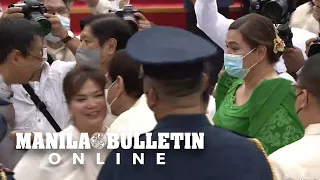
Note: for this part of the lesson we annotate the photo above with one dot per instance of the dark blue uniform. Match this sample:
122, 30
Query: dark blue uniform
226, 156
171, 53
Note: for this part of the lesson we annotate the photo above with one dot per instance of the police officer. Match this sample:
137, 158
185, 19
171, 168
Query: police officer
172, 69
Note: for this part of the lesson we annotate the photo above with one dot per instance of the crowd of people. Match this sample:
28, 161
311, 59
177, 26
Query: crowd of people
256, 100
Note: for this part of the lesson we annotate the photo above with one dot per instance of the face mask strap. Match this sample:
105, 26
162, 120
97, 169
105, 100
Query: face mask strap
111, 83
108, 91
255, 62
249, 52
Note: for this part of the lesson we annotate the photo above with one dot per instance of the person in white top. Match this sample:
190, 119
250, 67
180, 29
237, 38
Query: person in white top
84, 91
216, 27
55, 47
48, 86
127, 106
303, 18
128, 111
301, 159
19, 62
104, 6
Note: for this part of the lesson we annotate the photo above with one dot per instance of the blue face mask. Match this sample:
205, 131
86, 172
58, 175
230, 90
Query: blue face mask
65, 23
233, 65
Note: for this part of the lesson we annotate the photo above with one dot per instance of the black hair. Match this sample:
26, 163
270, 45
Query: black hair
129, 70
85, 21
77, 77
309, 78
17, 34
108, 26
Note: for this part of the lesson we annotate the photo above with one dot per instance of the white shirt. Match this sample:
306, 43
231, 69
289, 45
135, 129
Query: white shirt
138, 119
49, 90
216, 27
104, 6
65, 170
211, 108
63, 53
303, 18
301, 159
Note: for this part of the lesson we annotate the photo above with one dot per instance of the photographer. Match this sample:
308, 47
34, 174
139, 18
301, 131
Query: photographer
216, 26
105, 6
61, 42
58, 14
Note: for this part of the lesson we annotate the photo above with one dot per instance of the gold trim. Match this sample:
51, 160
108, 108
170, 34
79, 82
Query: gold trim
260, 147
3, 175
79, 10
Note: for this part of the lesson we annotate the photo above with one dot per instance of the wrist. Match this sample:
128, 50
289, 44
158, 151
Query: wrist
63, 34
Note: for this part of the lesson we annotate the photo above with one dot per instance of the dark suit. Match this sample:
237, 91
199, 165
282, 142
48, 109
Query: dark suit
226, 156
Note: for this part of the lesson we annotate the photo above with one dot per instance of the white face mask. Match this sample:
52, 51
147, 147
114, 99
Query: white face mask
110, 117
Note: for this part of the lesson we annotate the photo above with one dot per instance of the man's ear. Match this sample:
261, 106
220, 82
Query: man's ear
110, 46
152, 97
119, 84
16, 58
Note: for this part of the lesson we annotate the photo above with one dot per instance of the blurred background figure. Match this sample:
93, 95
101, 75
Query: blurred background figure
303, 17
223, 7
127, 105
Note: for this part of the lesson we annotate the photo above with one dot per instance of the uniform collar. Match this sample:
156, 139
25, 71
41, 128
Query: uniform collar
182, 122
312, 129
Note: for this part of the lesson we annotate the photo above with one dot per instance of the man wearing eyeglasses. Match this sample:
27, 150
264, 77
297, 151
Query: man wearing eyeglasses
20, 59
301, 159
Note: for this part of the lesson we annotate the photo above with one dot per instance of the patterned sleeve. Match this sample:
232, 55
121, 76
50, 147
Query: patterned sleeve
280, 130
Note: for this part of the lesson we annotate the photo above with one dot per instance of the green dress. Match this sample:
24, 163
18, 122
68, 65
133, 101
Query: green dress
269, 115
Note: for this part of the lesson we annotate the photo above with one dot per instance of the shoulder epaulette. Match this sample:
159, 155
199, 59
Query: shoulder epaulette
260, 147
3, 175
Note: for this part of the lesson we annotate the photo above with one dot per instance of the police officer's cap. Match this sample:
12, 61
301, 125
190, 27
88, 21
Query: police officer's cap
169, 52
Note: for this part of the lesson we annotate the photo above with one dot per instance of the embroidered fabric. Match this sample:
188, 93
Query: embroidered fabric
279, 131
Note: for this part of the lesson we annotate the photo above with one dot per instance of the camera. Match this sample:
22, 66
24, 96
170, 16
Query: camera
34, 10
314, 48
127, 13
279, 12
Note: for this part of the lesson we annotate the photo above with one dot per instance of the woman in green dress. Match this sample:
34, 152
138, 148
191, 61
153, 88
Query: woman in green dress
251, 98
